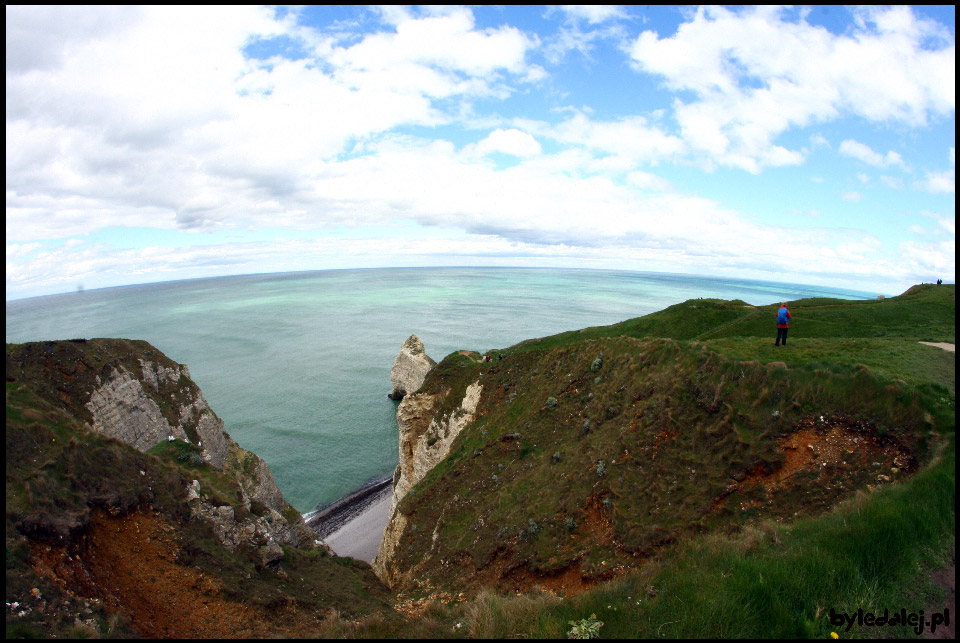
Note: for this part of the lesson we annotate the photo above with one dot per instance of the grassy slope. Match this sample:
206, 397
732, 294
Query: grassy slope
927, 313
534, 506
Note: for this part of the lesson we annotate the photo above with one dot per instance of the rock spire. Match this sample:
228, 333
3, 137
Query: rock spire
409, 369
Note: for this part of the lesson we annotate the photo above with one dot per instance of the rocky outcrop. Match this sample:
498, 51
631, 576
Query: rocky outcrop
257, 483
425, 440
421, 450
211, 436
410, 368
253, 532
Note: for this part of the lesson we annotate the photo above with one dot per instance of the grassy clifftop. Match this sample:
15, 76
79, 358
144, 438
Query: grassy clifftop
925, 312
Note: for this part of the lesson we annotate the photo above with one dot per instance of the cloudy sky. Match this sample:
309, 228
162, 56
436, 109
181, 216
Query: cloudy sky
788, 144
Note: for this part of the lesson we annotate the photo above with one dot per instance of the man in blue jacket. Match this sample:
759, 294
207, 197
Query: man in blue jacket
783, 324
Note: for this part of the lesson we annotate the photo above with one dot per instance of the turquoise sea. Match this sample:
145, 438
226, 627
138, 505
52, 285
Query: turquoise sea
297, 365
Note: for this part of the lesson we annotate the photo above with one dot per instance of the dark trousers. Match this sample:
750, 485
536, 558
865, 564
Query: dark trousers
782, 332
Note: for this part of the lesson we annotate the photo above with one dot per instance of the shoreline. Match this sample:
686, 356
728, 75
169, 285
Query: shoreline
335, 516
361, 534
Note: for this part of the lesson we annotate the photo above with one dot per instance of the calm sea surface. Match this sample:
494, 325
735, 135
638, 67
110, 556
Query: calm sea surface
297, 365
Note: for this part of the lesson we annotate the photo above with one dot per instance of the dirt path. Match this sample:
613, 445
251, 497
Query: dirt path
944, 345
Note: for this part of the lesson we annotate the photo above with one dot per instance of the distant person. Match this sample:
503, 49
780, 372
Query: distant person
783, 324
939, 281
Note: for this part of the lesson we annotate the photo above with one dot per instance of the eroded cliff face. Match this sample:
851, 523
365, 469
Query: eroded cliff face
122, 410
124, 405
130, 391
425, 440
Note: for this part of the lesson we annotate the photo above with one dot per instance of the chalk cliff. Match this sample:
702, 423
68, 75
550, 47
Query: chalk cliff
409, 368
130, 391
425, 439
116, 531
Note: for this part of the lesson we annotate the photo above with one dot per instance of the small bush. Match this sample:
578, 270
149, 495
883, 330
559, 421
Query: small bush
533, 528
585, 628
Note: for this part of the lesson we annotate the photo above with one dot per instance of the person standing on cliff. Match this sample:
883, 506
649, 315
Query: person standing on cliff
783, 324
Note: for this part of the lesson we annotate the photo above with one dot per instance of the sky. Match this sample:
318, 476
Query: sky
809, 145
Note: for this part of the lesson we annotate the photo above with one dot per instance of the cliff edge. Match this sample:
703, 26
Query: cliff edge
131, 512
131, 392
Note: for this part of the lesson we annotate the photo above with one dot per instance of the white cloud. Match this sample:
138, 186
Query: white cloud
756, 75
892, 182
570, 39
938, 182
393, 14
449, 42
633, 141
20, 250
819, 140
647, 181
114, 126
593, 13
949, 224
510, 141
862, 152
926, 262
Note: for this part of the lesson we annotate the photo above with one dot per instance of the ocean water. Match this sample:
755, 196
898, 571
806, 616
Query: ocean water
297, 365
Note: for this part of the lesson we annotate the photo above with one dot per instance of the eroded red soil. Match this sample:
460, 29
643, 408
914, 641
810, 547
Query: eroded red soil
836, 454
831, 444
130, 564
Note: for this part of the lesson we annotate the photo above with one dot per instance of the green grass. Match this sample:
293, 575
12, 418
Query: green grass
927, 314
780, 580
903, 359
672, 422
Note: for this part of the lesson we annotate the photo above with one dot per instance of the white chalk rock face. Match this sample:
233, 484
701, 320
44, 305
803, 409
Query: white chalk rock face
409, 369
121, 409
425, 440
